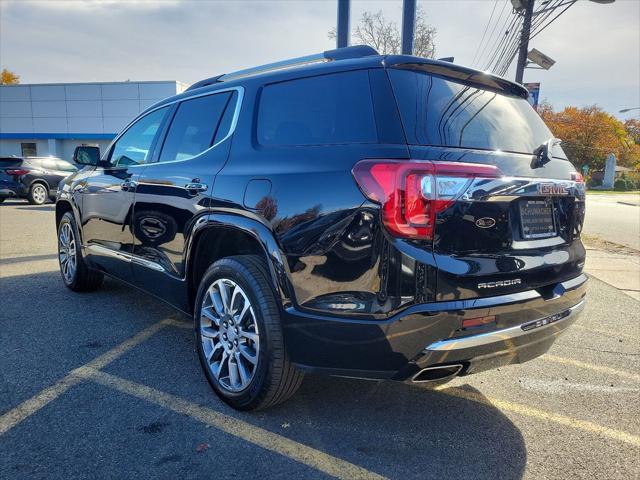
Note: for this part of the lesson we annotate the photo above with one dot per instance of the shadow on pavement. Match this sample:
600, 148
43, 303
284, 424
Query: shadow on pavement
29, 258
393, 429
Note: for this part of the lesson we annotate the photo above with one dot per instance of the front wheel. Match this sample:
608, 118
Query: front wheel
76, 274
239, 335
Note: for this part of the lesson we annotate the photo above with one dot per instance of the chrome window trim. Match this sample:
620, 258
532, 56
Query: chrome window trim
232, 127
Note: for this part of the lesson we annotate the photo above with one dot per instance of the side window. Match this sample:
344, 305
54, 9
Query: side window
49, 164
193, 128
134, 146
323, 110
63, 166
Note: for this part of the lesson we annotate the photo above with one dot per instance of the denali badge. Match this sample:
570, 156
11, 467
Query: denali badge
500, 283
485, 222
553, 189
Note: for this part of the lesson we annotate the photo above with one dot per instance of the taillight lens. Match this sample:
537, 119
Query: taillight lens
16, 171
412, 193
577, 177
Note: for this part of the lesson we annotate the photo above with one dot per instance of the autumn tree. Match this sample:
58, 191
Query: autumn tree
7, 77
590, 134
383, 35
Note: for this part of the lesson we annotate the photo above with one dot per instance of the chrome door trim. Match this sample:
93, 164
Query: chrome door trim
125, 257
232, 127
501, 335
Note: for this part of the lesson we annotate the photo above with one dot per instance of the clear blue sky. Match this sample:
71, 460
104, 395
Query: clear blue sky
597, 47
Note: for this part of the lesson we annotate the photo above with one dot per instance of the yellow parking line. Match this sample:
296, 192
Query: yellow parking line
590, 366
27, 408
299, 452
35, 403
527, 411
179, 323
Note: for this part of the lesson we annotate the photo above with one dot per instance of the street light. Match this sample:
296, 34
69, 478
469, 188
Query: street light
625, 110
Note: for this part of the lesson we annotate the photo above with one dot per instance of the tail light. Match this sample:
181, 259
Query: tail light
16, 171
577, 177
412, 193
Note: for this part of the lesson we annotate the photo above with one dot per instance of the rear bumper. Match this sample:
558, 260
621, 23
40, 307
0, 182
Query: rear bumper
527, 324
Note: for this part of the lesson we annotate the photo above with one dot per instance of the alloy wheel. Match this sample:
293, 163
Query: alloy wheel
229, 335
39, 193
67, 252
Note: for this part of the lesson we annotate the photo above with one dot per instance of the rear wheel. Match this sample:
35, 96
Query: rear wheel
38, 194
75, 272
239, 335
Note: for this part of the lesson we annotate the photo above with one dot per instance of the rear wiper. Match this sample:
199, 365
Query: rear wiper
544, 153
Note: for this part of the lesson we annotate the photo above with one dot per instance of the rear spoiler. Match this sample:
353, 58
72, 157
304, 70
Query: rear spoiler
457, 73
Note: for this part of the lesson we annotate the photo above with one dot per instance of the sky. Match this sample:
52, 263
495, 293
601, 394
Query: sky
596, 47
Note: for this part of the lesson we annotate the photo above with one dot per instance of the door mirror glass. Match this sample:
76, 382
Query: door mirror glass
86, 155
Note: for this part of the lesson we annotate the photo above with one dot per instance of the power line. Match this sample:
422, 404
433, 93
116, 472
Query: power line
490, 40
495, 4
499, 48
553, 20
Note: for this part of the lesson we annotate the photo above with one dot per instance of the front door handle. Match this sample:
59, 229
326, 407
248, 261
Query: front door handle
128, 186
196, 187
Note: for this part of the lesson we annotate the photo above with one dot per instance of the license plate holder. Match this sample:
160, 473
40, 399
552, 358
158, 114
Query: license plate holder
537, 219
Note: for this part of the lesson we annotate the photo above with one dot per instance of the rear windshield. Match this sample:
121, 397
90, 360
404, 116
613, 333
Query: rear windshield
440, 112
322, 110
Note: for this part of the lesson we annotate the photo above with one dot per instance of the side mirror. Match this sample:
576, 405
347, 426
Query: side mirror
86, 155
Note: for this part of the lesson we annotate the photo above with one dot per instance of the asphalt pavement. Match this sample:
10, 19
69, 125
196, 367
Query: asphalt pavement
107, 385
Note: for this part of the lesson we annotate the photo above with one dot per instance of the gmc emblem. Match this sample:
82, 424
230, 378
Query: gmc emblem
553, 189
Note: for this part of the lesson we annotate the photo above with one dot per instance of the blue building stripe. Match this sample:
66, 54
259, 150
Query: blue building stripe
58, 136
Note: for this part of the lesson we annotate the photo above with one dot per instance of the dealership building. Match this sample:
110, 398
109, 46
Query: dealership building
52, 119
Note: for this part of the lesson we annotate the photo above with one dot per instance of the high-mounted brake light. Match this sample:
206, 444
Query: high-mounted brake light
16, 171
413, 192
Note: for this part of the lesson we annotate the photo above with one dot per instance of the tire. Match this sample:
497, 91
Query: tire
272, 379
75, 272
38, 194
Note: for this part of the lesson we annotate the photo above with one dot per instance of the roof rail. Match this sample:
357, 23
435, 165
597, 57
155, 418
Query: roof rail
355, 51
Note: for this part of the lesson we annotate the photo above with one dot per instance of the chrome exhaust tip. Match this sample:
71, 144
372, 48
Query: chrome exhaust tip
434, 374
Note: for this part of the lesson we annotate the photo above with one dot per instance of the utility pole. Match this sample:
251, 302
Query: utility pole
344, 14
524, 40
408, 26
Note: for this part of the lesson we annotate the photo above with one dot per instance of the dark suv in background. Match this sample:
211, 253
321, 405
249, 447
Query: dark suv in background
385, 217
33, 178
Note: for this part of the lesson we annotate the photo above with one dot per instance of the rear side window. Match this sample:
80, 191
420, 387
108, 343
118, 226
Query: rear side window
440, 112
323, 110
65, 166
194, 127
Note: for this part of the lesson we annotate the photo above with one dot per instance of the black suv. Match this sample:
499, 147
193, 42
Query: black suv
384, 217
33, 178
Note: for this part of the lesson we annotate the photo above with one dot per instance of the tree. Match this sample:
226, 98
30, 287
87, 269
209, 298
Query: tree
8, 78
589, 134
383, 35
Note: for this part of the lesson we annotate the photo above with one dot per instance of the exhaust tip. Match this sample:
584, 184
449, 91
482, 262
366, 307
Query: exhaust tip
433, 374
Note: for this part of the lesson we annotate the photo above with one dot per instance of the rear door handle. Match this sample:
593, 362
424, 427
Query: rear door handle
128, 186
196, 187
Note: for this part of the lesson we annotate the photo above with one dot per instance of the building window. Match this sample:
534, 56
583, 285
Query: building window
29, 150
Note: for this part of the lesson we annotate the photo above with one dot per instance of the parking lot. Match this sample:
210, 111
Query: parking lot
108, 385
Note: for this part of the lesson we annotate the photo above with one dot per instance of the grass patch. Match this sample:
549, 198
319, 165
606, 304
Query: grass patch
609, 192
